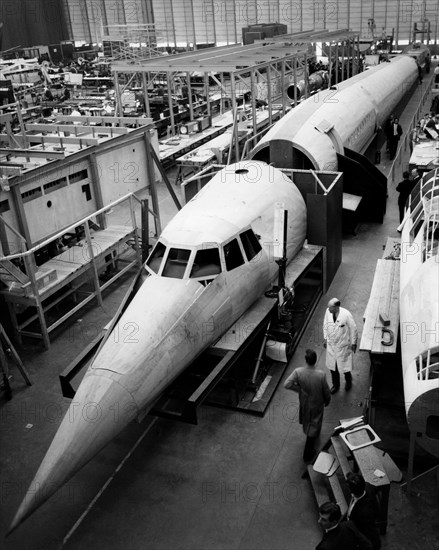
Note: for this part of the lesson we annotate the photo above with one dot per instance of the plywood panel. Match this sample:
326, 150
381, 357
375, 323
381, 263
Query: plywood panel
164, 22
79, 20
223, 20
204, 21
97, 19
308, 16
184, 22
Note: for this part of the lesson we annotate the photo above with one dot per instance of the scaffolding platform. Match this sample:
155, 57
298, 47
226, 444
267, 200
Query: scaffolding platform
82, 261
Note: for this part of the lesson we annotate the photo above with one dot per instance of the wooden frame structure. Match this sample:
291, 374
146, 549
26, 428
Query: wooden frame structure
273, 64
99, 154
57, 177
244, 64
45, 286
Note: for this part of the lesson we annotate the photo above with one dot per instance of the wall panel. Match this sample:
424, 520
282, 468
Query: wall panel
204, 21
164, 21
207, 21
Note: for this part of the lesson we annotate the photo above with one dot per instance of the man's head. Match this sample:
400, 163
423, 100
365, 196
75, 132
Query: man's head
334, 305
356, 483
310, 357
406, 175
329, 515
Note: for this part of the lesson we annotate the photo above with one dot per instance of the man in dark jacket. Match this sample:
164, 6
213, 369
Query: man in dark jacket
314, 396
339, 535
363, 509
387, 131
394, 135
404, 189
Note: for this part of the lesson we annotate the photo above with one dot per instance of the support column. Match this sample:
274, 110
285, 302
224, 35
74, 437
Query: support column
152, 186
170, 104
119, 110
96, 183
269, 97
145, 95
144, 209
93, 264
29, 262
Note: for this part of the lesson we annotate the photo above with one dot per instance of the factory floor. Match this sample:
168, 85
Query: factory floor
232, 482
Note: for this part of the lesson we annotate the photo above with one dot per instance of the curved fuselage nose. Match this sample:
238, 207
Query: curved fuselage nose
169, 323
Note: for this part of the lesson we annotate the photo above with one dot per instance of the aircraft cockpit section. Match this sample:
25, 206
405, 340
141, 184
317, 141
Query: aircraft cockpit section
177, 262
203, 262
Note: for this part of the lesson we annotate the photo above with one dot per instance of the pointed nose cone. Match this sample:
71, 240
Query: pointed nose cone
101, 409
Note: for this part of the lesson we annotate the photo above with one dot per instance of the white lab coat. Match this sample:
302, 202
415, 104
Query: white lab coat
339, 337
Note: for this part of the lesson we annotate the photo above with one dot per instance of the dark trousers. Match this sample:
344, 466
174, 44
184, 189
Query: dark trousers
335, 376
309, 450
393, 146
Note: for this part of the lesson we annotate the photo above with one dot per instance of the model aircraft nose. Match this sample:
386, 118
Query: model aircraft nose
101, 408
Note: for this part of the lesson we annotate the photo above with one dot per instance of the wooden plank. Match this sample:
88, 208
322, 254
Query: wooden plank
340, 450
125, 121
386, 280
40, 153
59, 140
327, 489
337, 491
389, 246
391, 469
384, 299
369, 461
75, 129
320, 485
368, 329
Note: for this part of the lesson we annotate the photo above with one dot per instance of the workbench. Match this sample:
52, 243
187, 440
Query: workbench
425, 156
176, 146
381, 317
216, 149
375, 465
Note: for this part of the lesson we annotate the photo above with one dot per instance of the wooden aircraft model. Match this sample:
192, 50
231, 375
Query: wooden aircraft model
419, 312
213, 260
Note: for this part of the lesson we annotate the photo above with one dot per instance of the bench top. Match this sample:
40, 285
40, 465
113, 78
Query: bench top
378, 337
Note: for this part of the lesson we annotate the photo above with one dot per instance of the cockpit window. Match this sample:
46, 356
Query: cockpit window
250, 243
233, 255
176, 263
155, 260
207, 263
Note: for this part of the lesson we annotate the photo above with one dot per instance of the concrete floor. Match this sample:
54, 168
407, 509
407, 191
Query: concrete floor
231, 482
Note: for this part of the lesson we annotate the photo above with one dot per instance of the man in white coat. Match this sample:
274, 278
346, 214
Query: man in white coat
340, 340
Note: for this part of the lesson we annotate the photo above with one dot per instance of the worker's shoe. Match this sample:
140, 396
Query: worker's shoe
334, 389
348, 385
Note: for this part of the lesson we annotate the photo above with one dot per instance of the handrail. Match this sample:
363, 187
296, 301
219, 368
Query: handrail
69, 228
